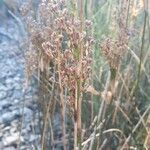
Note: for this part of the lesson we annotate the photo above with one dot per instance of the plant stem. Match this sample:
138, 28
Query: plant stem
80, 94
62, 100
75, 117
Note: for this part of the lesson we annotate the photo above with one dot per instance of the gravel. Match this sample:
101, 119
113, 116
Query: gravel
14, 113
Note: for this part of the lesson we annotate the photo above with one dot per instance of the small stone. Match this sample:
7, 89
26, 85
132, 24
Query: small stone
3, 94
24, 131
1, 134
5, 104
3, 88
16, 101
17, 94
28, 114
9, 93
6, 128
17, 86
9, 116
11, 139
26, 147
6, 134
9, 81
13, 130
17, 79
1, 126
14, 123
9, 148
37, 129
33, 137
1, 145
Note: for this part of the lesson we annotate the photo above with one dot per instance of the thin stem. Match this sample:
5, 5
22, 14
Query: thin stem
75, 118
142, 46
62, 103
46, 117
135, 128
80, 82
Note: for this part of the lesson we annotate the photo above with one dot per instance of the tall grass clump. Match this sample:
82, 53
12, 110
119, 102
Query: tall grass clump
61, 47
91, 62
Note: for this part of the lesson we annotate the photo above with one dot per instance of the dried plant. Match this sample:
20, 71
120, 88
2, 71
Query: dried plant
61, 45
62, 54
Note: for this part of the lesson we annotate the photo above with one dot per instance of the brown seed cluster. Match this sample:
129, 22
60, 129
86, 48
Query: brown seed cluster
113, 51
57, 37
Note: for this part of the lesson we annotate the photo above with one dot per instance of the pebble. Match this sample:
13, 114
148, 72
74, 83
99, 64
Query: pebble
17, 86
7, 128
3, 94
9, 148
1, 135
33, 137
14, 122
4, 103
3, 88
17, 94
11, 139
13, 130
1, 145
9, 116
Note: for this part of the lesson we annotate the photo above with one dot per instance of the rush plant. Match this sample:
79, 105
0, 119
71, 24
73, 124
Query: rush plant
90, 71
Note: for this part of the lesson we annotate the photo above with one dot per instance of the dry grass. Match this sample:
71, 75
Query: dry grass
92, 72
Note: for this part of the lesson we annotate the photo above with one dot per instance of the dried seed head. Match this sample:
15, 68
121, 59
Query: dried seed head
54, 7
57, 36
76, 23
88, 23
113, 51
